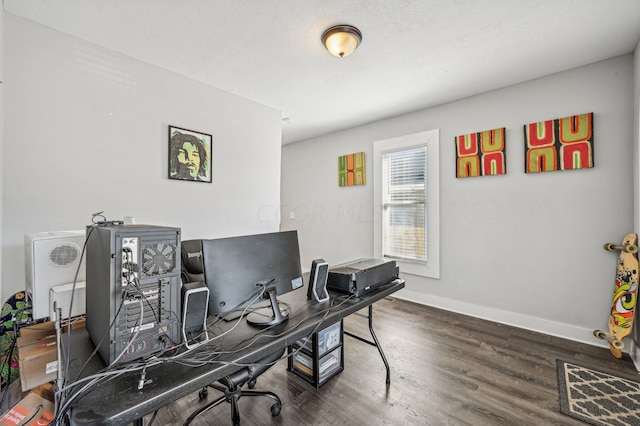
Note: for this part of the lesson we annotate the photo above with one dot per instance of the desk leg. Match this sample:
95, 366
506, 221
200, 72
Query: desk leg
375, 342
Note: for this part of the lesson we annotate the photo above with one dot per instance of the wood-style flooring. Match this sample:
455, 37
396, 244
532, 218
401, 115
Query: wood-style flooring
446, 369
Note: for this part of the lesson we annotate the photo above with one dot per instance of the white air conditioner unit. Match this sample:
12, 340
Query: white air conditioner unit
52, 259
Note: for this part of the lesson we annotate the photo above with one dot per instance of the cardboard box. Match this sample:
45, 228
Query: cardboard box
37, 355
36, 332
32, 410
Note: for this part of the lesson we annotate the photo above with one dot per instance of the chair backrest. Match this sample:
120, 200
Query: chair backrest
192, 263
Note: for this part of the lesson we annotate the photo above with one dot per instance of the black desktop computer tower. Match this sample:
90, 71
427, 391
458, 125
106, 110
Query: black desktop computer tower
133, 290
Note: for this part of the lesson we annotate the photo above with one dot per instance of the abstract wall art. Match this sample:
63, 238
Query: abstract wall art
352, 169
481, 153
560, 144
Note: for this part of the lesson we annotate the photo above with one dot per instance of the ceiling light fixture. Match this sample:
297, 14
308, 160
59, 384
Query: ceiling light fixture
342, 40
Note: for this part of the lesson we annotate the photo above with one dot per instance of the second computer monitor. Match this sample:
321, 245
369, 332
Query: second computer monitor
238, 270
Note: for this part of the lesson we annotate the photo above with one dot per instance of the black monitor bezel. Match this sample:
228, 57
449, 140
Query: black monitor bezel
240, 263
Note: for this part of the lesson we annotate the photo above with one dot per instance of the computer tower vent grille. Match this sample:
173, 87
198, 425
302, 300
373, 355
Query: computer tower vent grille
158, 258
64, 254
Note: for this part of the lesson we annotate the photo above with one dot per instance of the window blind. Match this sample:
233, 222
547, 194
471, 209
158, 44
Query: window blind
404, 204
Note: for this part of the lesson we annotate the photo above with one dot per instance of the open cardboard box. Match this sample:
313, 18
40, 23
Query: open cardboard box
32, 410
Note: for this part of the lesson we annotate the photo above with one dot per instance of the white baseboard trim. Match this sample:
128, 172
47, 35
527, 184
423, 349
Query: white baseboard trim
541, 325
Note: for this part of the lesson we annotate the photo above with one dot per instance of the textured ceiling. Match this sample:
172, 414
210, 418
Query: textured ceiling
414, 54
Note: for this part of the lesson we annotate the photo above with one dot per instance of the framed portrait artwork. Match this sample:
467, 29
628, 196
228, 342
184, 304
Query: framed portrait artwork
189, 155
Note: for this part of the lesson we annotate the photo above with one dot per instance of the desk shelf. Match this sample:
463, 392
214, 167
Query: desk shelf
320, 357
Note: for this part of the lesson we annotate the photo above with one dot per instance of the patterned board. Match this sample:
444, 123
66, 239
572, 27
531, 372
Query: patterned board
625, 293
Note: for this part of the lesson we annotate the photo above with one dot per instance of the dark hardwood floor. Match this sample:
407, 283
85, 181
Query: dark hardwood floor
446, 369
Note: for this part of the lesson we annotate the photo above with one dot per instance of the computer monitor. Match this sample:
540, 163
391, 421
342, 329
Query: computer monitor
238, 269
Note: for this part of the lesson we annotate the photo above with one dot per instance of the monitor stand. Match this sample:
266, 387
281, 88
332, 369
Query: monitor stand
271, 315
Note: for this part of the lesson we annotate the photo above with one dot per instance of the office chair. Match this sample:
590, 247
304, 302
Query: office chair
192, 264
232, 384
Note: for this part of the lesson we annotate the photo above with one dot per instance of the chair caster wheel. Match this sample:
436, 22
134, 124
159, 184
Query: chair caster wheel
275, 409
202, 395
252, 383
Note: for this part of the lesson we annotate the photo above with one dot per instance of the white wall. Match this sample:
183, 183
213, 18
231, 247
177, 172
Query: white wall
1, 124
635, 350
85, 130
524, 249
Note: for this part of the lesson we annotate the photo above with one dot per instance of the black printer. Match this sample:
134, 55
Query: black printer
361, 276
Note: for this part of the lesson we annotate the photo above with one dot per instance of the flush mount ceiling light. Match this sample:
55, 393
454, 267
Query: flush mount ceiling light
341, 40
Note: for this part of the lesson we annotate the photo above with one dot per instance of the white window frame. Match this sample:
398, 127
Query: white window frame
431, 140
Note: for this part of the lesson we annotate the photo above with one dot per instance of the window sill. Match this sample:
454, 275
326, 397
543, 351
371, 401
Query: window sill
431, 269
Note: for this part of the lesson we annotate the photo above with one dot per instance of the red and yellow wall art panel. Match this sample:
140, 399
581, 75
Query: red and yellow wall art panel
481, 154
352, 169
560, 144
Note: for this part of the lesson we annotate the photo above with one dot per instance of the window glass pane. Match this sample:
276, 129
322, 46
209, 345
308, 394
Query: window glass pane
404, 218
404, 234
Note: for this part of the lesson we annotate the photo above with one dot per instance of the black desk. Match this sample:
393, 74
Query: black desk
119, 401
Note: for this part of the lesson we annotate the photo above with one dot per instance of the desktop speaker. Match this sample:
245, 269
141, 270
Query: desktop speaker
318, 281
195, 303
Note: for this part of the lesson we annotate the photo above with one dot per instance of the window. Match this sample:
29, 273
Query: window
406, 200
404, 196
